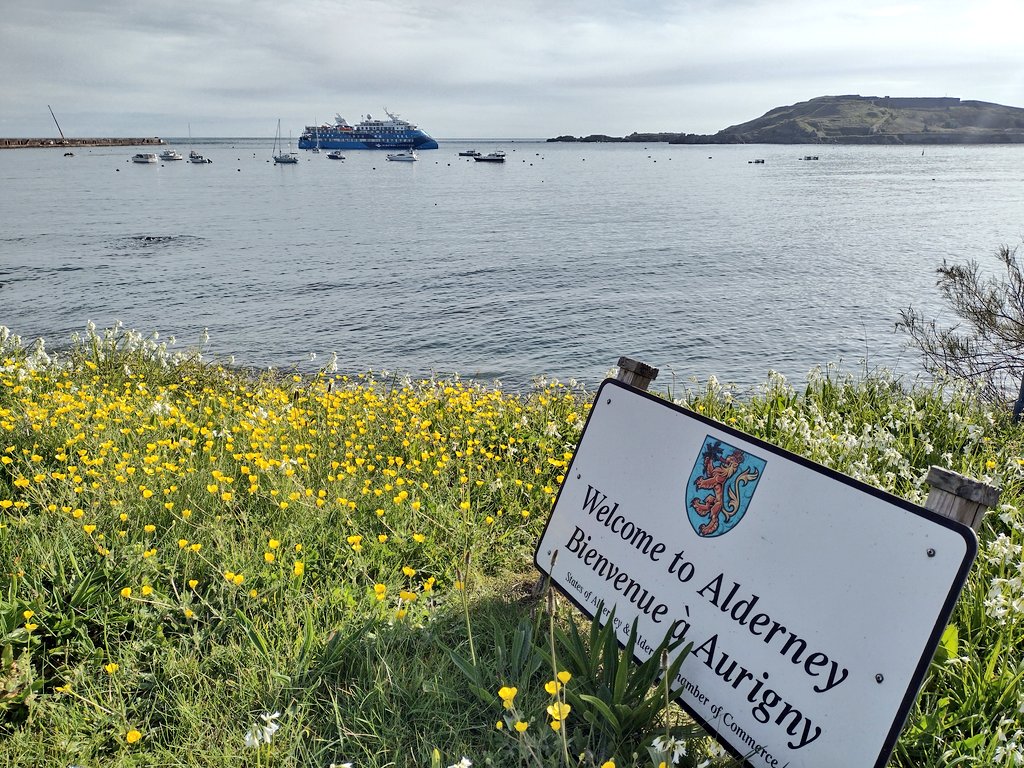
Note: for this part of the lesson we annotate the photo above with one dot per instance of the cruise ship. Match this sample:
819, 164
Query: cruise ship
370, 133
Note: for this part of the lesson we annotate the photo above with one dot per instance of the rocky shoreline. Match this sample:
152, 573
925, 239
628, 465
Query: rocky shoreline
57, 143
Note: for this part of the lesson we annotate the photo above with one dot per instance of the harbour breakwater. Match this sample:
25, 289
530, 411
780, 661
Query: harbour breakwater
35, 143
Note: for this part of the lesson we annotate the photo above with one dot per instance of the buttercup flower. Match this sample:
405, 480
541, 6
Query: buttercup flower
507, 695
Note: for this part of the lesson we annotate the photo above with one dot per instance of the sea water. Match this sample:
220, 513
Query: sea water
693, 259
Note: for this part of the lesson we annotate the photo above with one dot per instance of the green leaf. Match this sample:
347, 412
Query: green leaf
604, 710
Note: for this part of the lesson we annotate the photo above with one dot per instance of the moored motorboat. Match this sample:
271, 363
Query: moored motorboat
404, 157
144, 157
469, 153
490, 157
335, 155
171, 154
195, 157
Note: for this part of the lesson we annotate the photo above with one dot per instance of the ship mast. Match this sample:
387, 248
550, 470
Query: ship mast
62, 139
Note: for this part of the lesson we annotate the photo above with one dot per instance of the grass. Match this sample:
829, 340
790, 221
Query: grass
337, 568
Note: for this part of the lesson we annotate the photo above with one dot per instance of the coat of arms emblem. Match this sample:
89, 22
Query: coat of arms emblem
720, 488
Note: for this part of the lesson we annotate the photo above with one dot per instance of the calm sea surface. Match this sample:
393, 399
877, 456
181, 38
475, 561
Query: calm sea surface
691, 259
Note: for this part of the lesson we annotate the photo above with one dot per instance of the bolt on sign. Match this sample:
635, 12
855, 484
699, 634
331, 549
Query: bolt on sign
813, 601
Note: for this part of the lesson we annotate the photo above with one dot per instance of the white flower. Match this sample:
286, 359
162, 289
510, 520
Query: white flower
465, 762
262, 734
671, 747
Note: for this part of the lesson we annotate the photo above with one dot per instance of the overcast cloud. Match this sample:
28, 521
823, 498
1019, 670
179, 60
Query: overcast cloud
518, 68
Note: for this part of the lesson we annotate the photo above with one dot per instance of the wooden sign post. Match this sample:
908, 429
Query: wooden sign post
814, 602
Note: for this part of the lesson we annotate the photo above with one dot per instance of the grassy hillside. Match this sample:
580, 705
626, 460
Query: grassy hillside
864, 120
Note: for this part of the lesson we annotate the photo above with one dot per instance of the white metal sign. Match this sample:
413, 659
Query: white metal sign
814, 602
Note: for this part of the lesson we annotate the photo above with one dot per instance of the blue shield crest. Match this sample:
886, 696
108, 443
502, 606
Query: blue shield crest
720, 488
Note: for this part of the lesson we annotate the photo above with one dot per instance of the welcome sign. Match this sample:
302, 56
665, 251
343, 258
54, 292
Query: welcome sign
813, 601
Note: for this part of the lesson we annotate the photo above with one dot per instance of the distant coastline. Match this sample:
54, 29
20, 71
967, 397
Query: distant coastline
57, 143
854, 119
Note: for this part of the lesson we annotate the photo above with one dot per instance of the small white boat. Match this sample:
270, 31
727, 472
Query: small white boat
335, 155
195, 157
469, 153
144, 157
491, 157
404, 157
171, 154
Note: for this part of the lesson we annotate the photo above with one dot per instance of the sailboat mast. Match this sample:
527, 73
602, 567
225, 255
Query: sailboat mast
62, 139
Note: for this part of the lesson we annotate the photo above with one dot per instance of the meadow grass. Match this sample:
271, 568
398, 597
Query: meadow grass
207, 567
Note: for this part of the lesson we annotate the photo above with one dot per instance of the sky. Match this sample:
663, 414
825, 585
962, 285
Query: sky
483, 69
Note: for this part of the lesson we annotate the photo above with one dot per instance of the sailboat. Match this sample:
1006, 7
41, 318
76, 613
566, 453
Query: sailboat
280, 156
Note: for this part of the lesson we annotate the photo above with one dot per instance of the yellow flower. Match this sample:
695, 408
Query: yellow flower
273, 543
559, 710
89, 528
610, 764
299, 568
193, 583
552, 687
229, 575
380, 590
400, 613
410, 572
149, 528
268, 557
111, 668
521, 726
253, 593
564, 676
29, 626
239, 578
382, 537
77, 514
990, 464
555, 724
499, 725
188, 613
196, 547
126, 592
186, 513
132, 736
419, 538
182, 543
507, 695
147, 590
28, 614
